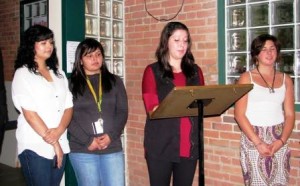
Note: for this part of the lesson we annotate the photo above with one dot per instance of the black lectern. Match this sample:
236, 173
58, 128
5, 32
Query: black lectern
201, 101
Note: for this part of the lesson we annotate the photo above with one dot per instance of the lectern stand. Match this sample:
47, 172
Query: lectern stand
201, 101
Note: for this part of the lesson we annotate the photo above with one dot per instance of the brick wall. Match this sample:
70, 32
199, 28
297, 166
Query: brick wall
9, 34
142, 35
222, 134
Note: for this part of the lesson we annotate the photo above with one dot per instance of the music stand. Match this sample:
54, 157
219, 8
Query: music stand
201, 101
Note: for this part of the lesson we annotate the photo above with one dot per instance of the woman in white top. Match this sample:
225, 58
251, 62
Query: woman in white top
40, 93
266, 117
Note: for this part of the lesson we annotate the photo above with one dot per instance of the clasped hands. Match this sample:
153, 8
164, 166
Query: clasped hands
51, 136
266, 150
100, 143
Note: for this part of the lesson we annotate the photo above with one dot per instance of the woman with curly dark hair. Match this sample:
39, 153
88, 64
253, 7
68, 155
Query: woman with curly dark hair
171, 145
41, 94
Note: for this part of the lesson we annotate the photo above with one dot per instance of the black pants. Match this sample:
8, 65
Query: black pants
160, 172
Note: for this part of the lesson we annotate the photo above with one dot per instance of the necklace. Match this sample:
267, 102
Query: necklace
271, 89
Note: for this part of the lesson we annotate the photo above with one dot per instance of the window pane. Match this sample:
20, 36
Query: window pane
233, 2
283, 12
91, 26
237, 17
106, 46
117, 67
237, 40
259, 15
117, 29
105, 25
286, 36
117, 49
90, 7
117, 10
286, 64
105, 8
236, 64
256, 32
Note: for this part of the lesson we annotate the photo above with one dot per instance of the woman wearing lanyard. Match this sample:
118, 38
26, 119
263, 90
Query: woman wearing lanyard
100, 114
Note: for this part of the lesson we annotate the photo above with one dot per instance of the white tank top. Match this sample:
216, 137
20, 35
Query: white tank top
265, 108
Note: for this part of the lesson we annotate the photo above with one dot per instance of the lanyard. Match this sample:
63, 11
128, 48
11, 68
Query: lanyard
98, 101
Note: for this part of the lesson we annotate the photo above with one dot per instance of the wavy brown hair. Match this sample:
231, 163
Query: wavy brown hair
162, 51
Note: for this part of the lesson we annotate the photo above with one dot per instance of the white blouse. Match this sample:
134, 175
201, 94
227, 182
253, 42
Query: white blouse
49, 100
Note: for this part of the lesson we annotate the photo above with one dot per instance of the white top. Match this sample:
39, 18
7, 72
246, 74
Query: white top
265, 108
49, 100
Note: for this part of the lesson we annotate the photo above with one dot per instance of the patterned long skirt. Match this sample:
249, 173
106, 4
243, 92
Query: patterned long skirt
265, 171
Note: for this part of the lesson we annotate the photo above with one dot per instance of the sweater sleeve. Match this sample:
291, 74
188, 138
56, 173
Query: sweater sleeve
121, 111
149, 92
79, 134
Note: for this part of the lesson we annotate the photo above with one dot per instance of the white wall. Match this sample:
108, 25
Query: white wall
55, 24
9, 148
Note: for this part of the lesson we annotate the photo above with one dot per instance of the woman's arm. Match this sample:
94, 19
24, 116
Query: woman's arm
35, 121
149, 92
52, 135
289, 110
289, 115
121, 114
40, 128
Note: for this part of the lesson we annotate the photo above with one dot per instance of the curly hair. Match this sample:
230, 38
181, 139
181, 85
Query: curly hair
26, 51
162, 51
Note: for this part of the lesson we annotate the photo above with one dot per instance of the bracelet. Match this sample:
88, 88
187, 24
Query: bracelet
281, 141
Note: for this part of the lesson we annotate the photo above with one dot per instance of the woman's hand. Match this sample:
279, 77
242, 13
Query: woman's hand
276, 145
52, 135
264, 149
94, 145
103, 141
59, 154
100, 143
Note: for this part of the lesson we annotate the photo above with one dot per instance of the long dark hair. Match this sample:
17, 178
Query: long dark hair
26, 52
162, 51
78, 76
259, 42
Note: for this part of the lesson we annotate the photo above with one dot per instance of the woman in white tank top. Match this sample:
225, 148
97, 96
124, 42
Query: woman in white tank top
266, 117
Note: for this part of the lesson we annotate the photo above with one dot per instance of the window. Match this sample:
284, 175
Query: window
246, 19
33, 12
104, 20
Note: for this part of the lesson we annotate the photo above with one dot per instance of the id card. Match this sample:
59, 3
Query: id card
98, 126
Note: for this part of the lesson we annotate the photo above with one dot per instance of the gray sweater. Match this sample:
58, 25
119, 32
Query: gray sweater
114, 113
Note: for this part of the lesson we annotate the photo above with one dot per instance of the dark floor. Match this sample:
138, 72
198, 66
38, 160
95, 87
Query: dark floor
10, 176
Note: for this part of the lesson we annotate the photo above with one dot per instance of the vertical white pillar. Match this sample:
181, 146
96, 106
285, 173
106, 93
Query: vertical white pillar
55, 24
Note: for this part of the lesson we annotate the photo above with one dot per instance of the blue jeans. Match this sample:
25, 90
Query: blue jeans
38, 170
99, 169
